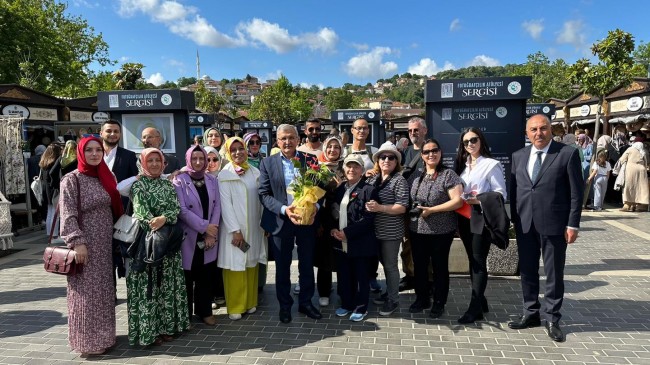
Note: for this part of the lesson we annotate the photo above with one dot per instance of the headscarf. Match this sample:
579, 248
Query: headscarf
619, 140
69, 153
143, 161
639, 146
209, 150
323, 156
196, 174
40, 149
205, 136
101, 171
247, 138
239, 169
604, 141
586, 140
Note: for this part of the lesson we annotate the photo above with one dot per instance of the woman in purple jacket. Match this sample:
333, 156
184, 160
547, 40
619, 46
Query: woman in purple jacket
198, 195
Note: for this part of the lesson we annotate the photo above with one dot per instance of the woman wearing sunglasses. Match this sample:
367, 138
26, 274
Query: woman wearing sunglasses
390, 206
253, 145
435, 195
480, 174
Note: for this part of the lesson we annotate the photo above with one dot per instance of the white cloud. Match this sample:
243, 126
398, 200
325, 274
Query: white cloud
361, 47
156, 79
455, 25
271, 76
534, 27
572, 32
428, 67
371, 64
483, 60
273, 36
123, 59
307, 85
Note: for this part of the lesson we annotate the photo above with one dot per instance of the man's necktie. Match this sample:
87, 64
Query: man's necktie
537, 166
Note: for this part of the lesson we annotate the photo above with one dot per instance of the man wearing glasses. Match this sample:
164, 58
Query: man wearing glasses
314, 146
151, 138
360, 131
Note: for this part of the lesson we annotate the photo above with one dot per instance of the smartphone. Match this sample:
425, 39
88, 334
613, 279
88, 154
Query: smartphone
245, 247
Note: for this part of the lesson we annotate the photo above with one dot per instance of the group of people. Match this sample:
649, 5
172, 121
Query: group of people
234, 211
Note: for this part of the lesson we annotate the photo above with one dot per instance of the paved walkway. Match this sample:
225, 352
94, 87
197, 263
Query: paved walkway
606, 315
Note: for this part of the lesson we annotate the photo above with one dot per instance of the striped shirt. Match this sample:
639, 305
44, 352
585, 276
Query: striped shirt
395, 191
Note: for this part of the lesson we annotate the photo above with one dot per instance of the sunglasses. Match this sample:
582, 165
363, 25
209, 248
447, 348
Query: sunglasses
387, 157
472, 140
255, 142
213, 159
433, 150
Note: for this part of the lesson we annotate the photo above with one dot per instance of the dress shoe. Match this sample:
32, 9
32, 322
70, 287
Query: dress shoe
555, 332
285, 315
418, 306
310, 311
437, 310
468, 318
531, 320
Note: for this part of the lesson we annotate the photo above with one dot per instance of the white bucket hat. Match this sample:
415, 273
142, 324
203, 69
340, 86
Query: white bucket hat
388, 147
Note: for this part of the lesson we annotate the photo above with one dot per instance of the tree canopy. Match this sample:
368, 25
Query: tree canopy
46, 49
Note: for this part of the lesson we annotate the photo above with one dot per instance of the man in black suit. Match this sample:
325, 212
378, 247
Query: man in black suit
151, 138
546, 189
281, 220
119, 160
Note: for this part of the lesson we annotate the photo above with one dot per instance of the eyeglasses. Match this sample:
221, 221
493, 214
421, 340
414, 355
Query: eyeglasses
433, 150
472, 140
415, 130
255, 142
387, 157
213, 159
360, 129
313, 129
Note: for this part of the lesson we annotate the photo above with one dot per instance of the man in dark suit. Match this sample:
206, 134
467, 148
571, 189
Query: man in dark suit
546, 189
281, 220
151, 138
119, 160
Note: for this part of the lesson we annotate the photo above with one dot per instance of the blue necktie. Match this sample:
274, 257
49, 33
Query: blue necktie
537, 166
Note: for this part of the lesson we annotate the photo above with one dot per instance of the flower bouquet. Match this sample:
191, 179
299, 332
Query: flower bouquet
306, 190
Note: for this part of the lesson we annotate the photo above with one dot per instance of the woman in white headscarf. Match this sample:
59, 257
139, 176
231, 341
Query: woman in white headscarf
635, 190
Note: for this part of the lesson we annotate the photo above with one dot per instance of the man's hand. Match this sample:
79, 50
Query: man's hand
293, 216
81, 254
570, 235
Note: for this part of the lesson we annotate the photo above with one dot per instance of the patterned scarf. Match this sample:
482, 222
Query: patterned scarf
239, 169
143, 162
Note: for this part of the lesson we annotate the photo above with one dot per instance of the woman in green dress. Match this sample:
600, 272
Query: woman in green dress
157, 299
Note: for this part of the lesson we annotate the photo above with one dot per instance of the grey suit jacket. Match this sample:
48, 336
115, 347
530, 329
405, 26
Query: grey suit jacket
554, 201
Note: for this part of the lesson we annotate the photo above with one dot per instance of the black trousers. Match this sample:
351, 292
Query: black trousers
477, 247
434, 249
200, 284
553, 250
353, 277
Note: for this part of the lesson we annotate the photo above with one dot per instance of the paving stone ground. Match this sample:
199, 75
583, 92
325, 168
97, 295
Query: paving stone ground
605, 315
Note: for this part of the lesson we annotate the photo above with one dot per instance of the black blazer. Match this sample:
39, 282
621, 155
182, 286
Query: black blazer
273, 190
554, 201
173, 164
124, 165
492, 216
360, 231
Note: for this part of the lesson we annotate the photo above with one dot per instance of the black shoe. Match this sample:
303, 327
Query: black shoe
418, 306
437, 310
484, 305
468, 318
407, 283
310, 311
529, 321
388, 308
555, 332
381, 299
285, 315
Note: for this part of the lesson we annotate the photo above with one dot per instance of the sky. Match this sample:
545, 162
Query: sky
330, 43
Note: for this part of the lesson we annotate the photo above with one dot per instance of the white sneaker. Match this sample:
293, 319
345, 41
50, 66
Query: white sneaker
324, 301
251, 310
235, 317
214, 305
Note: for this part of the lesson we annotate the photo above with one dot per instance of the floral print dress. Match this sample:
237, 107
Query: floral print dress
165, 312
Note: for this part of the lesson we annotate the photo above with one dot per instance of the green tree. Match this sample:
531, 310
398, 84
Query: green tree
550, 79
101, 81
301, 106
642, 60
274, 103
129, 76
185, 81
206, 100
46, 48
613, 69
339, 99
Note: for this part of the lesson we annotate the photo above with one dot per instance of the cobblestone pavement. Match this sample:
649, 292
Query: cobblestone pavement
605, 316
